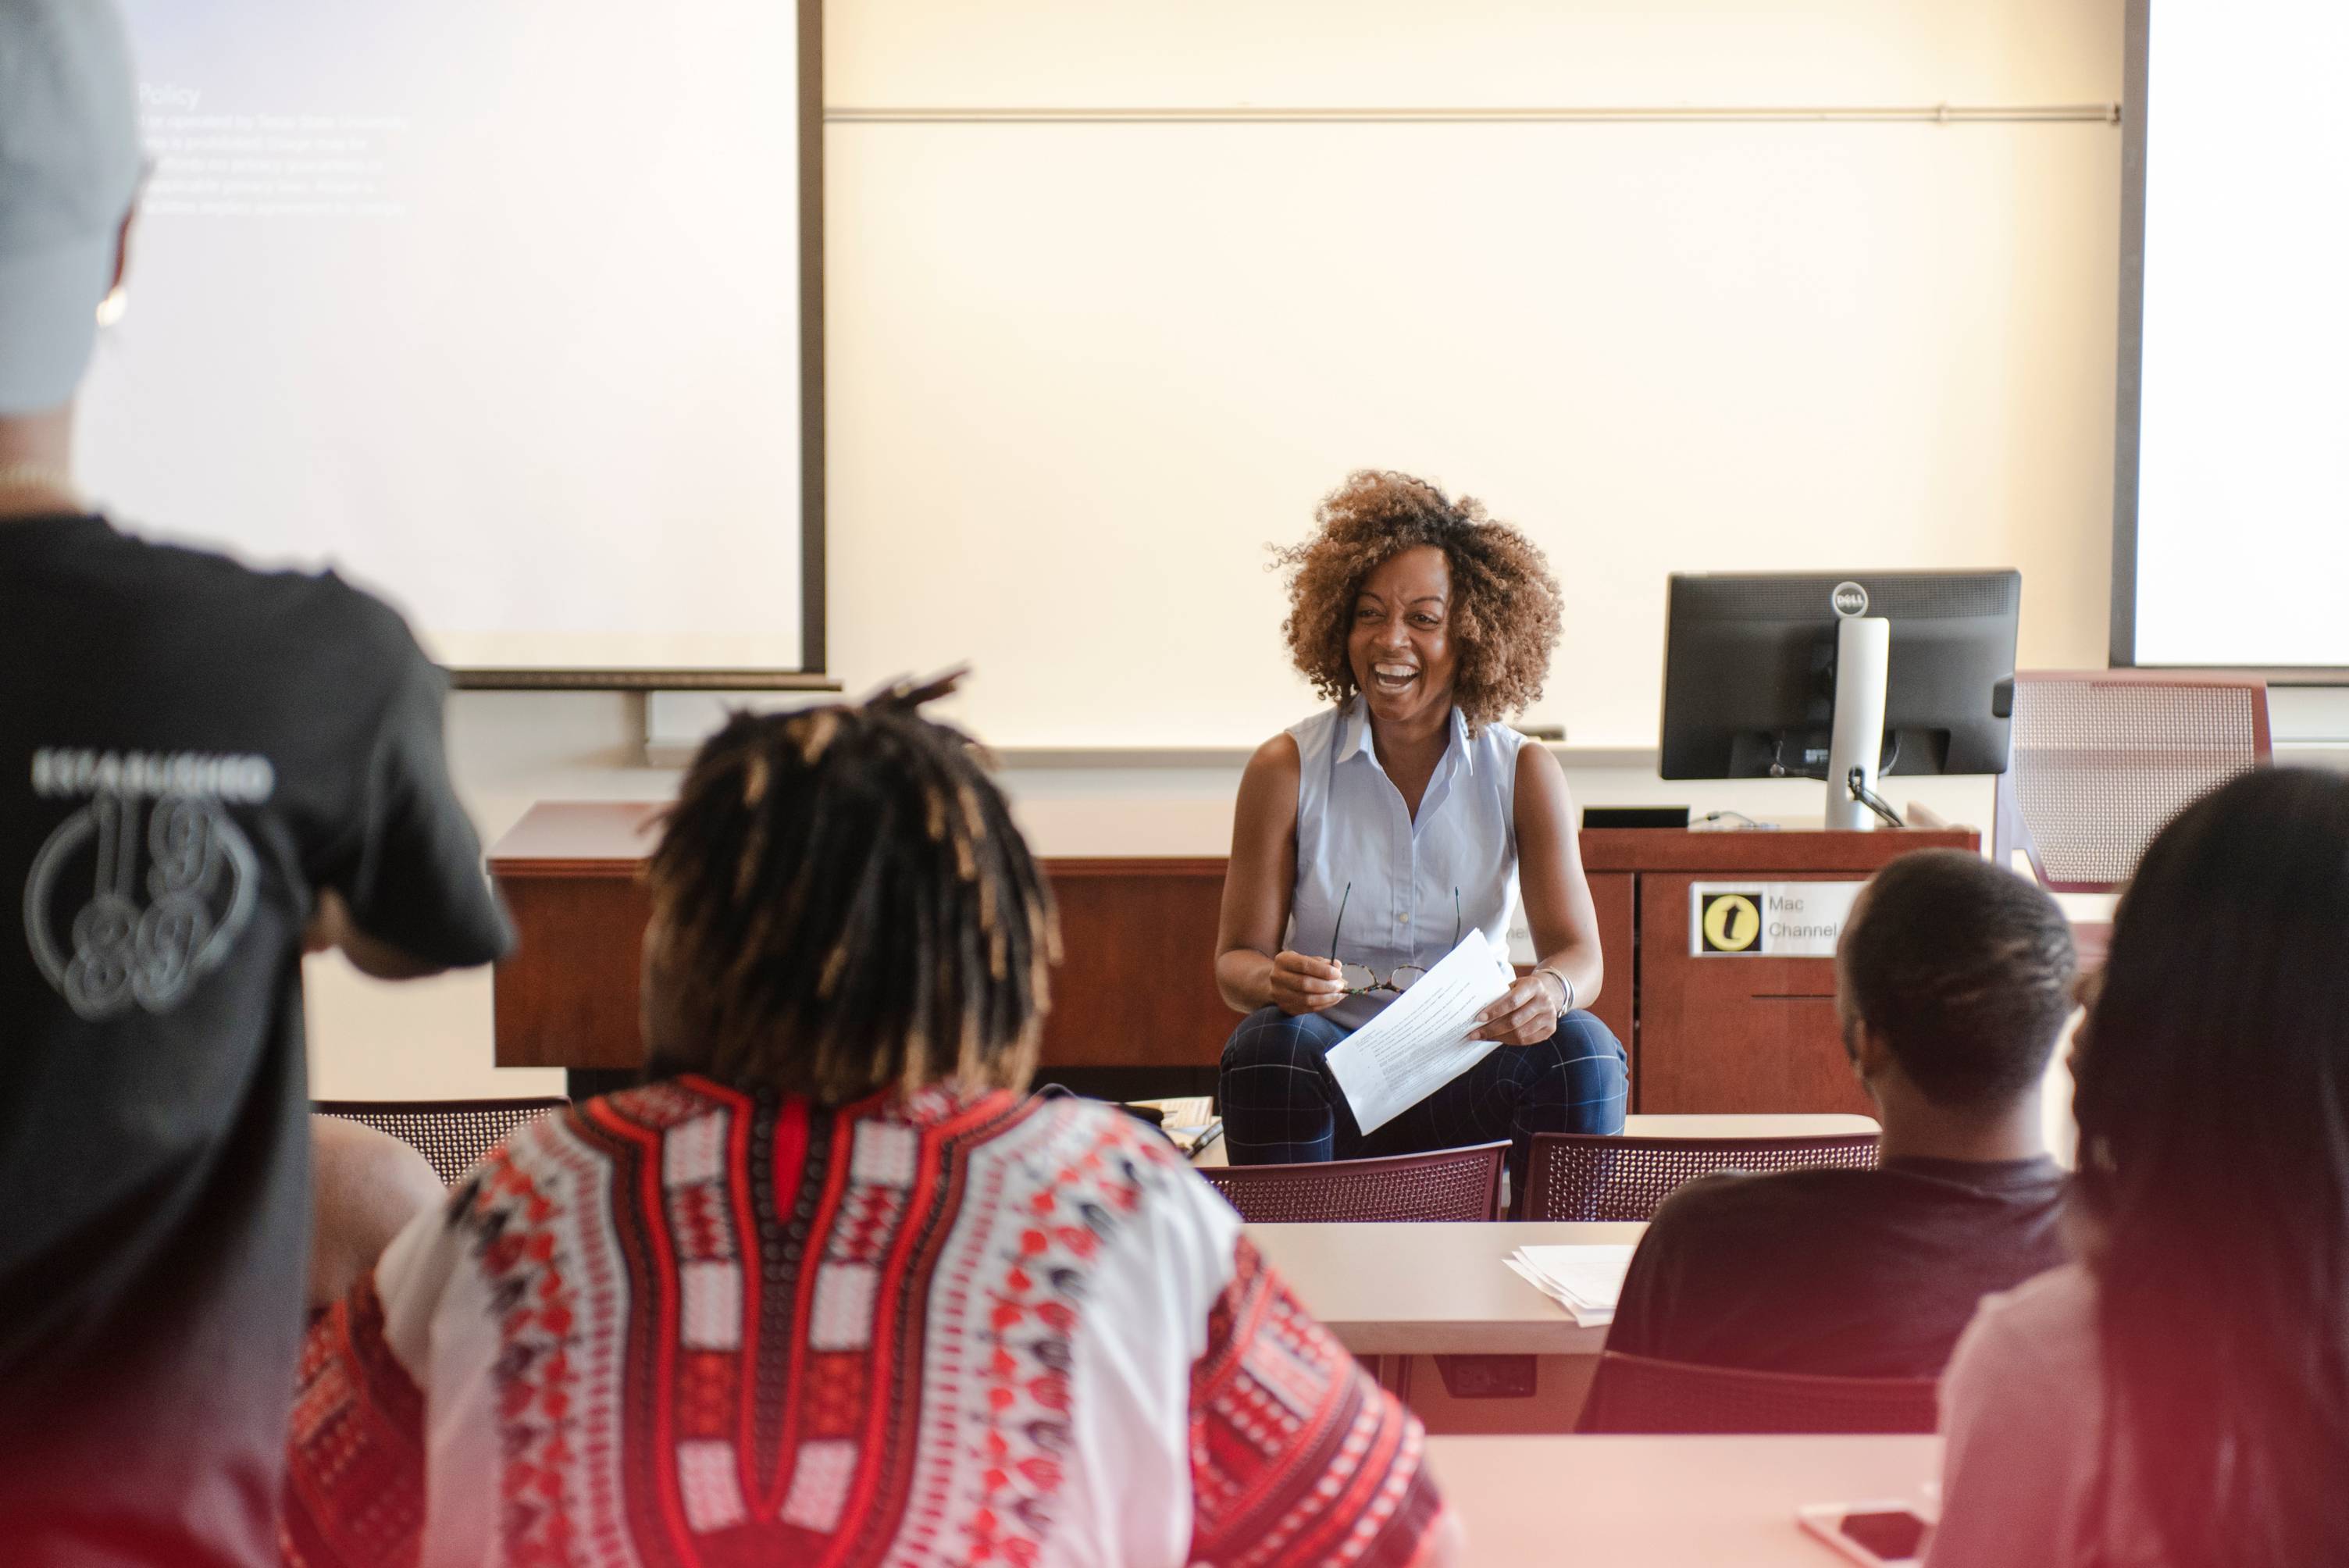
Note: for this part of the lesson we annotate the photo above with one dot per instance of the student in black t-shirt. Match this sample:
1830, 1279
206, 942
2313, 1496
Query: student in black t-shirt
201, 767
1953, 979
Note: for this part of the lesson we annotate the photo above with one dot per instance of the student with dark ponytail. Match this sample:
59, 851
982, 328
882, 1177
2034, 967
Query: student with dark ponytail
2180, 1398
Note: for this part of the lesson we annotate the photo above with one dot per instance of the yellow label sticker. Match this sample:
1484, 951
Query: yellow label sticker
1768, 920
1731, 922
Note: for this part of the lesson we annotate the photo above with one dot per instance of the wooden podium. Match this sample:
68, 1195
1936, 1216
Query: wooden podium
1134, 995
1744, 1033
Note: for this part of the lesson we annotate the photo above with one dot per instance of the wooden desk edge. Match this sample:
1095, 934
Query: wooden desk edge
623, 826
1795, 850
591, 825
530, 867
1450, 1336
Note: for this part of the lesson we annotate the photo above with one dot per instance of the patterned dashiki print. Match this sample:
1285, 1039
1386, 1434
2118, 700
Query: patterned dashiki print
688, 1325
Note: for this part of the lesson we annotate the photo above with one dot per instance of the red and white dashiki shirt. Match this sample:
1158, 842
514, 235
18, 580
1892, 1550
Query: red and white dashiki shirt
684, 1325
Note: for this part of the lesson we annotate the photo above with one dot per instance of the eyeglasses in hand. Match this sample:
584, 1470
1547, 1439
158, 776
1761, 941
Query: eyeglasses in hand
1360, 979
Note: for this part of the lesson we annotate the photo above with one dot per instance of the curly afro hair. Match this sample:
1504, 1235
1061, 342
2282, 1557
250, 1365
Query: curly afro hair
1505, 603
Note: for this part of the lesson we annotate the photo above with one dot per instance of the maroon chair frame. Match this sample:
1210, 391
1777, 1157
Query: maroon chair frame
451, 1134
1455, 1184
1641, 1394
1591, 1176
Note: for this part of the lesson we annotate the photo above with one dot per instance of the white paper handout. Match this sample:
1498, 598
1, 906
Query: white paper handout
1585, 1280
1420, 1043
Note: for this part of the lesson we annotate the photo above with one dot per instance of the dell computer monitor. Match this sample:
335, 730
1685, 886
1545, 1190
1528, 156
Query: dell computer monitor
1750, 671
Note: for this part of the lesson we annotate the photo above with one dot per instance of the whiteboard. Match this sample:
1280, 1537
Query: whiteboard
495, 308
1084, 374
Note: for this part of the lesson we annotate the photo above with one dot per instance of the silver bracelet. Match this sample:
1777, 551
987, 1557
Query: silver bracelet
1564, 983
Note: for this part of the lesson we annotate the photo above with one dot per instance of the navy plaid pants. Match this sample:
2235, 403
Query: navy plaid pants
1280, 1104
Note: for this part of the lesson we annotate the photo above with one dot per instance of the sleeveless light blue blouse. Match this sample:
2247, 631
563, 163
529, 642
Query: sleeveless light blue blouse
1352, 827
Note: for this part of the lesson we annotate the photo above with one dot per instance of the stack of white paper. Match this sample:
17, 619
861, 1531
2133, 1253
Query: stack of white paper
1586, 1281
1424, 1038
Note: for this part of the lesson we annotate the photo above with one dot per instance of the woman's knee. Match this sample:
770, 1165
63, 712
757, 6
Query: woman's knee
1580, 1036
1592, 1077
1270, 1038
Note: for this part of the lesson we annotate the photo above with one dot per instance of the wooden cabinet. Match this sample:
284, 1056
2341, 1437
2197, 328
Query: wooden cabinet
567, 995
1136, 990
1135, 987
1733, 1033
1749, 1033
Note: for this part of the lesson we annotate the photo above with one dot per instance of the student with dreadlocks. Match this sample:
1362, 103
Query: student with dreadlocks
826, 1288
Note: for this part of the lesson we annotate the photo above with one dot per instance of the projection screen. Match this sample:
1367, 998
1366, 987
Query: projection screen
2232, 485
509, 311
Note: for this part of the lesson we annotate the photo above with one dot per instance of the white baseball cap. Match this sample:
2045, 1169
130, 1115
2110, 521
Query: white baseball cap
69, 168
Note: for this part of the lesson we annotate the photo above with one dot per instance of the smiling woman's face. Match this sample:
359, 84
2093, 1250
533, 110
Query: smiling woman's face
1400, 644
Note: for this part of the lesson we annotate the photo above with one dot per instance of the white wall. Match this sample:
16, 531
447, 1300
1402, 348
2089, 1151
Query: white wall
1083, 373
1080, 373
1068, 53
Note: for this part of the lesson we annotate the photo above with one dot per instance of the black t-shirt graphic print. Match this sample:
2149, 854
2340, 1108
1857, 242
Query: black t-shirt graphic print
189, 750
147, 886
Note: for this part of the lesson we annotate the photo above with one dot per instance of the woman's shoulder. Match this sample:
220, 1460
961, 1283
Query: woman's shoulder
1275, 770
2041, 1333
2048, 1308
1270, 782
1315, 733
1504, 745
1282, 754
2022, 1419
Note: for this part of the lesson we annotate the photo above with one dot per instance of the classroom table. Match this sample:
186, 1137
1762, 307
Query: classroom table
1657, 1502
1763, 1124
1434, 1290
1439, 1319
1401, 1295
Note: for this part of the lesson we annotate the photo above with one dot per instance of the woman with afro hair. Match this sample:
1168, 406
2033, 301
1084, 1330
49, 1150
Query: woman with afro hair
1372, 837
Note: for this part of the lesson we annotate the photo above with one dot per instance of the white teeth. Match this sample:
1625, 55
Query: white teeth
1394, 671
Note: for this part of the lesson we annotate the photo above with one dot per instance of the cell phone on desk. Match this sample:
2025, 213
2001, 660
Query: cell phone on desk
1876, 1534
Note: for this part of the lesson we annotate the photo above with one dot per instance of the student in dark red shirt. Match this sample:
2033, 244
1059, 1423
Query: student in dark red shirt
1953, 980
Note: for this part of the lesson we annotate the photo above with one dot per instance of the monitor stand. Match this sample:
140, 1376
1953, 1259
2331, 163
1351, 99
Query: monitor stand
1863, 659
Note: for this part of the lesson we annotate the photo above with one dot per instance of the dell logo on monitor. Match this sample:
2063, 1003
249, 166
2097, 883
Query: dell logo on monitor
1850, 599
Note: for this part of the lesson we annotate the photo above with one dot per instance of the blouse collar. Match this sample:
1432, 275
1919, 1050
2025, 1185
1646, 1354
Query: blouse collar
1354, 735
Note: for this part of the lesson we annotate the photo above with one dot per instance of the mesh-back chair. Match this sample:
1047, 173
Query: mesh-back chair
1639, 1394
451, 1134
1589, 1176
1450, 1184
2103, 758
